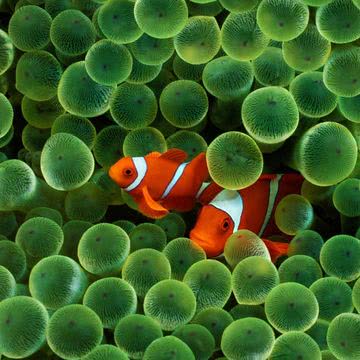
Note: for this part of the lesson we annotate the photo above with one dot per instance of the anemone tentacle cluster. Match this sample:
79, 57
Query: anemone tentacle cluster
255, 97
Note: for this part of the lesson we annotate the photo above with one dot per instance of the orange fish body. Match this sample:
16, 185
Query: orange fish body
251, 208
161, 182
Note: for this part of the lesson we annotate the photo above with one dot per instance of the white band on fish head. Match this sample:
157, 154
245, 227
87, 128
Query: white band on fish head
141, 169
230, 201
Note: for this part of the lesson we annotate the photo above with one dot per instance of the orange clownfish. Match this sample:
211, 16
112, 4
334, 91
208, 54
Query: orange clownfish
251, 208
161, 182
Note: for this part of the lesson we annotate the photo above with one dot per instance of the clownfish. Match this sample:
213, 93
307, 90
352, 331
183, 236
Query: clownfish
161, 182
251, 208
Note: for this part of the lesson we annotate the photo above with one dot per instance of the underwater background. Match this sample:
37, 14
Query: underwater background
263, 87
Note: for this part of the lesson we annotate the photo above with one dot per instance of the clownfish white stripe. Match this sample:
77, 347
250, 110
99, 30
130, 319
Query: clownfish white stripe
231, 202
203, 187
274, 189
179, 171
141, 168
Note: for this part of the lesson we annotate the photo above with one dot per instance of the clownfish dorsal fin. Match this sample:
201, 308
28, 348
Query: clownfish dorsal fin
151, 207
154, 154
176, 155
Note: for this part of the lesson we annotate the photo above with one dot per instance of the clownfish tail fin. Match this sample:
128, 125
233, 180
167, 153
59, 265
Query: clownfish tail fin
276, 249
200, 165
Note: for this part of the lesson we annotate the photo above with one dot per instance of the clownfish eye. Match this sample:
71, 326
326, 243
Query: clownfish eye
127, 172
225, 225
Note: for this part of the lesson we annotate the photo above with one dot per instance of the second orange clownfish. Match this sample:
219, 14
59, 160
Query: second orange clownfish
251, 208
161, 182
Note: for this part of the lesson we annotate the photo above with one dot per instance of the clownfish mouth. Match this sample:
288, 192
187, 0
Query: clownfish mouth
210, 250
112, 173
197, 239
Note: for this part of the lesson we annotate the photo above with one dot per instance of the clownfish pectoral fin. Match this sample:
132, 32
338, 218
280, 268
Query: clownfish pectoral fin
200, 165
149, 207
176, 155
276, 249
